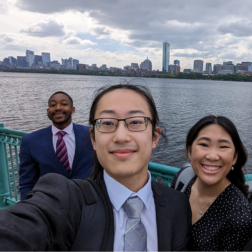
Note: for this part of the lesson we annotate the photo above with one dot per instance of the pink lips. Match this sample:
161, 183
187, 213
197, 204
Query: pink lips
210, 172
122, 153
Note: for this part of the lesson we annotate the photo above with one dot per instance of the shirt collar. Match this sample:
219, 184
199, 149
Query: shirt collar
118, 193
68, 129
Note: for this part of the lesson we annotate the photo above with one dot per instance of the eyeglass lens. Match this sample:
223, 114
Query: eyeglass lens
110, 124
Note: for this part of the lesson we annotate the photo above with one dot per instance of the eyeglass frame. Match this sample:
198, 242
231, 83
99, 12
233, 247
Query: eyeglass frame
146, 118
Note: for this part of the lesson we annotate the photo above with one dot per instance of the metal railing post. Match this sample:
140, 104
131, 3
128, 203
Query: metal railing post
4, 185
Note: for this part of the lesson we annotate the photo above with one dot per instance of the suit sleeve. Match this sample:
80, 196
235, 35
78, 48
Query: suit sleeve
49, 220
28, 170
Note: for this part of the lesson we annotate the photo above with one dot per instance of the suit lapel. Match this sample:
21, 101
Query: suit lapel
46, 139
163, 218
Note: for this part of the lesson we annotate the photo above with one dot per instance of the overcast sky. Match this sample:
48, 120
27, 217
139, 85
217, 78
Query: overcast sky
118, 33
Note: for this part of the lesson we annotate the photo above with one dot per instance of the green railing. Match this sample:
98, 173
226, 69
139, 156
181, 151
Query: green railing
10, 141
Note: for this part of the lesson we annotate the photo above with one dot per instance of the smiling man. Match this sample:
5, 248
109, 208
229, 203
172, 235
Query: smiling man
123, 209
63, 148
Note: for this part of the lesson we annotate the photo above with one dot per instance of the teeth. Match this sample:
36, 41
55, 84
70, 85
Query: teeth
211, 168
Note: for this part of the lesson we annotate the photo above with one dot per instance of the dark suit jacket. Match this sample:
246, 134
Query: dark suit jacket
37, 157
50, 219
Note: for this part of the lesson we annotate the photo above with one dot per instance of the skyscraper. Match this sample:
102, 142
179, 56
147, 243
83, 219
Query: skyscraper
30, 58
198, 66
208, 68
46, 59
166, 56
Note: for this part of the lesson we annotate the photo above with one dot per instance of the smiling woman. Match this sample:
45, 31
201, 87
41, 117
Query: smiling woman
221, 215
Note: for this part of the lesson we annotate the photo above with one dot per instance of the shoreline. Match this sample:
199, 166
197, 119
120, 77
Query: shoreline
192, 76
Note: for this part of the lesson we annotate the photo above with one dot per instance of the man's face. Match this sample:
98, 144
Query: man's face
124, 154
60, 110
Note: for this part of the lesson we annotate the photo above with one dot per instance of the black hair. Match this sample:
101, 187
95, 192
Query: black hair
235, 176
61, 92
145, 92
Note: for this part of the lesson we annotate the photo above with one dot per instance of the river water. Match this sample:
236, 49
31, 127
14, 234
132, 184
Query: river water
180, 103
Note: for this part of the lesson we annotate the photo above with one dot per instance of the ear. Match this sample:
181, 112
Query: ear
189, 152
91, 133
235, 158
156, 137
73, 110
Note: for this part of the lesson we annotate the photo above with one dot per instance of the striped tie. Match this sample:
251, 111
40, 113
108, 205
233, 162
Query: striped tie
135, 238
61, 150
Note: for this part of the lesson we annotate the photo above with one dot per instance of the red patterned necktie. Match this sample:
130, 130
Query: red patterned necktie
61, 150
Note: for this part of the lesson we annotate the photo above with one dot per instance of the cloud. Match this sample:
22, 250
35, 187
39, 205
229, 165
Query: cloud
240, 28
50, 27
101, 30
194, 28
5, 38
77, 41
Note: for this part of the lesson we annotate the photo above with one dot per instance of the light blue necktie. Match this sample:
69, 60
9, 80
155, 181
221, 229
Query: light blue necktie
135, 238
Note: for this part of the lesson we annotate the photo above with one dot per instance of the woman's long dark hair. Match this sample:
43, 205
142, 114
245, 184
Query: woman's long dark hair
235, 176
136, 88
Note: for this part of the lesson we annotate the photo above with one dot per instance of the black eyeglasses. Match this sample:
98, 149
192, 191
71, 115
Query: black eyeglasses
136, 123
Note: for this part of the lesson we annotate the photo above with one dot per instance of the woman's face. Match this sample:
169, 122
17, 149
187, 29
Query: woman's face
212, 154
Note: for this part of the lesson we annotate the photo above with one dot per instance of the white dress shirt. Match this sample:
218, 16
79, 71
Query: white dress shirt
118, 194
69, 139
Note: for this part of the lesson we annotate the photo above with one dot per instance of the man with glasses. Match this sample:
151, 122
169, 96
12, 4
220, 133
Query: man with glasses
139, 214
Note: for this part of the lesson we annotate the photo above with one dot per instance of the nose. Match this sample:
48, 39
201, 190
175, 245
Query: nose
213, 154
58, 106
122, 134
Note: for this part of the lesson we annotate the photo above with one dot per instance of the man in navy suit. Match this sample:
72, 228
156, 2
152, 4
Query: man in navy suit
38, 149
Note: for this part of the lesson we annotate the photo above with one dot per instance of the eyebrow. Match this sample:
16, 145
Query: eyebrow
220, 140
112, 112
61, 100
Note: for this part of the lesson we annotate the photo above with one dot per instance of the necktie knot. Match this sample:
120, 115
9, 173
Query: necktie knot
133, 207
61, 133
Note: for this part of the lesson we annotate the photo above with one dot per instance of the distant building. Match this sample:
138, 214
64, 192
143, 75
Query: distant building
82, 67
187, 71
173, 69
225, 71
246, 64
217, 68
13, 61
67, 63
228, 67
134, 66
38, 60
239, 68
103, 67
126, 68
198, 66
209, 68
6, 61
46, 59
75, 63
166, 56
30, 58
21, 61
55, 64
146, 64
177, 62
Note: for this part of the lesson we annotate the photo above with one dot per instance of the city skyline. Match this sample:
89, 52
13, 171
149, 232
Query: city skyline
102, 32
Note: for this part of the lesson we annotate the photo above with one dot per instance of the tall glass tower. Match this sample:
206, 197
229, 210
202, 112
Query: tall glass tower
166, 56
